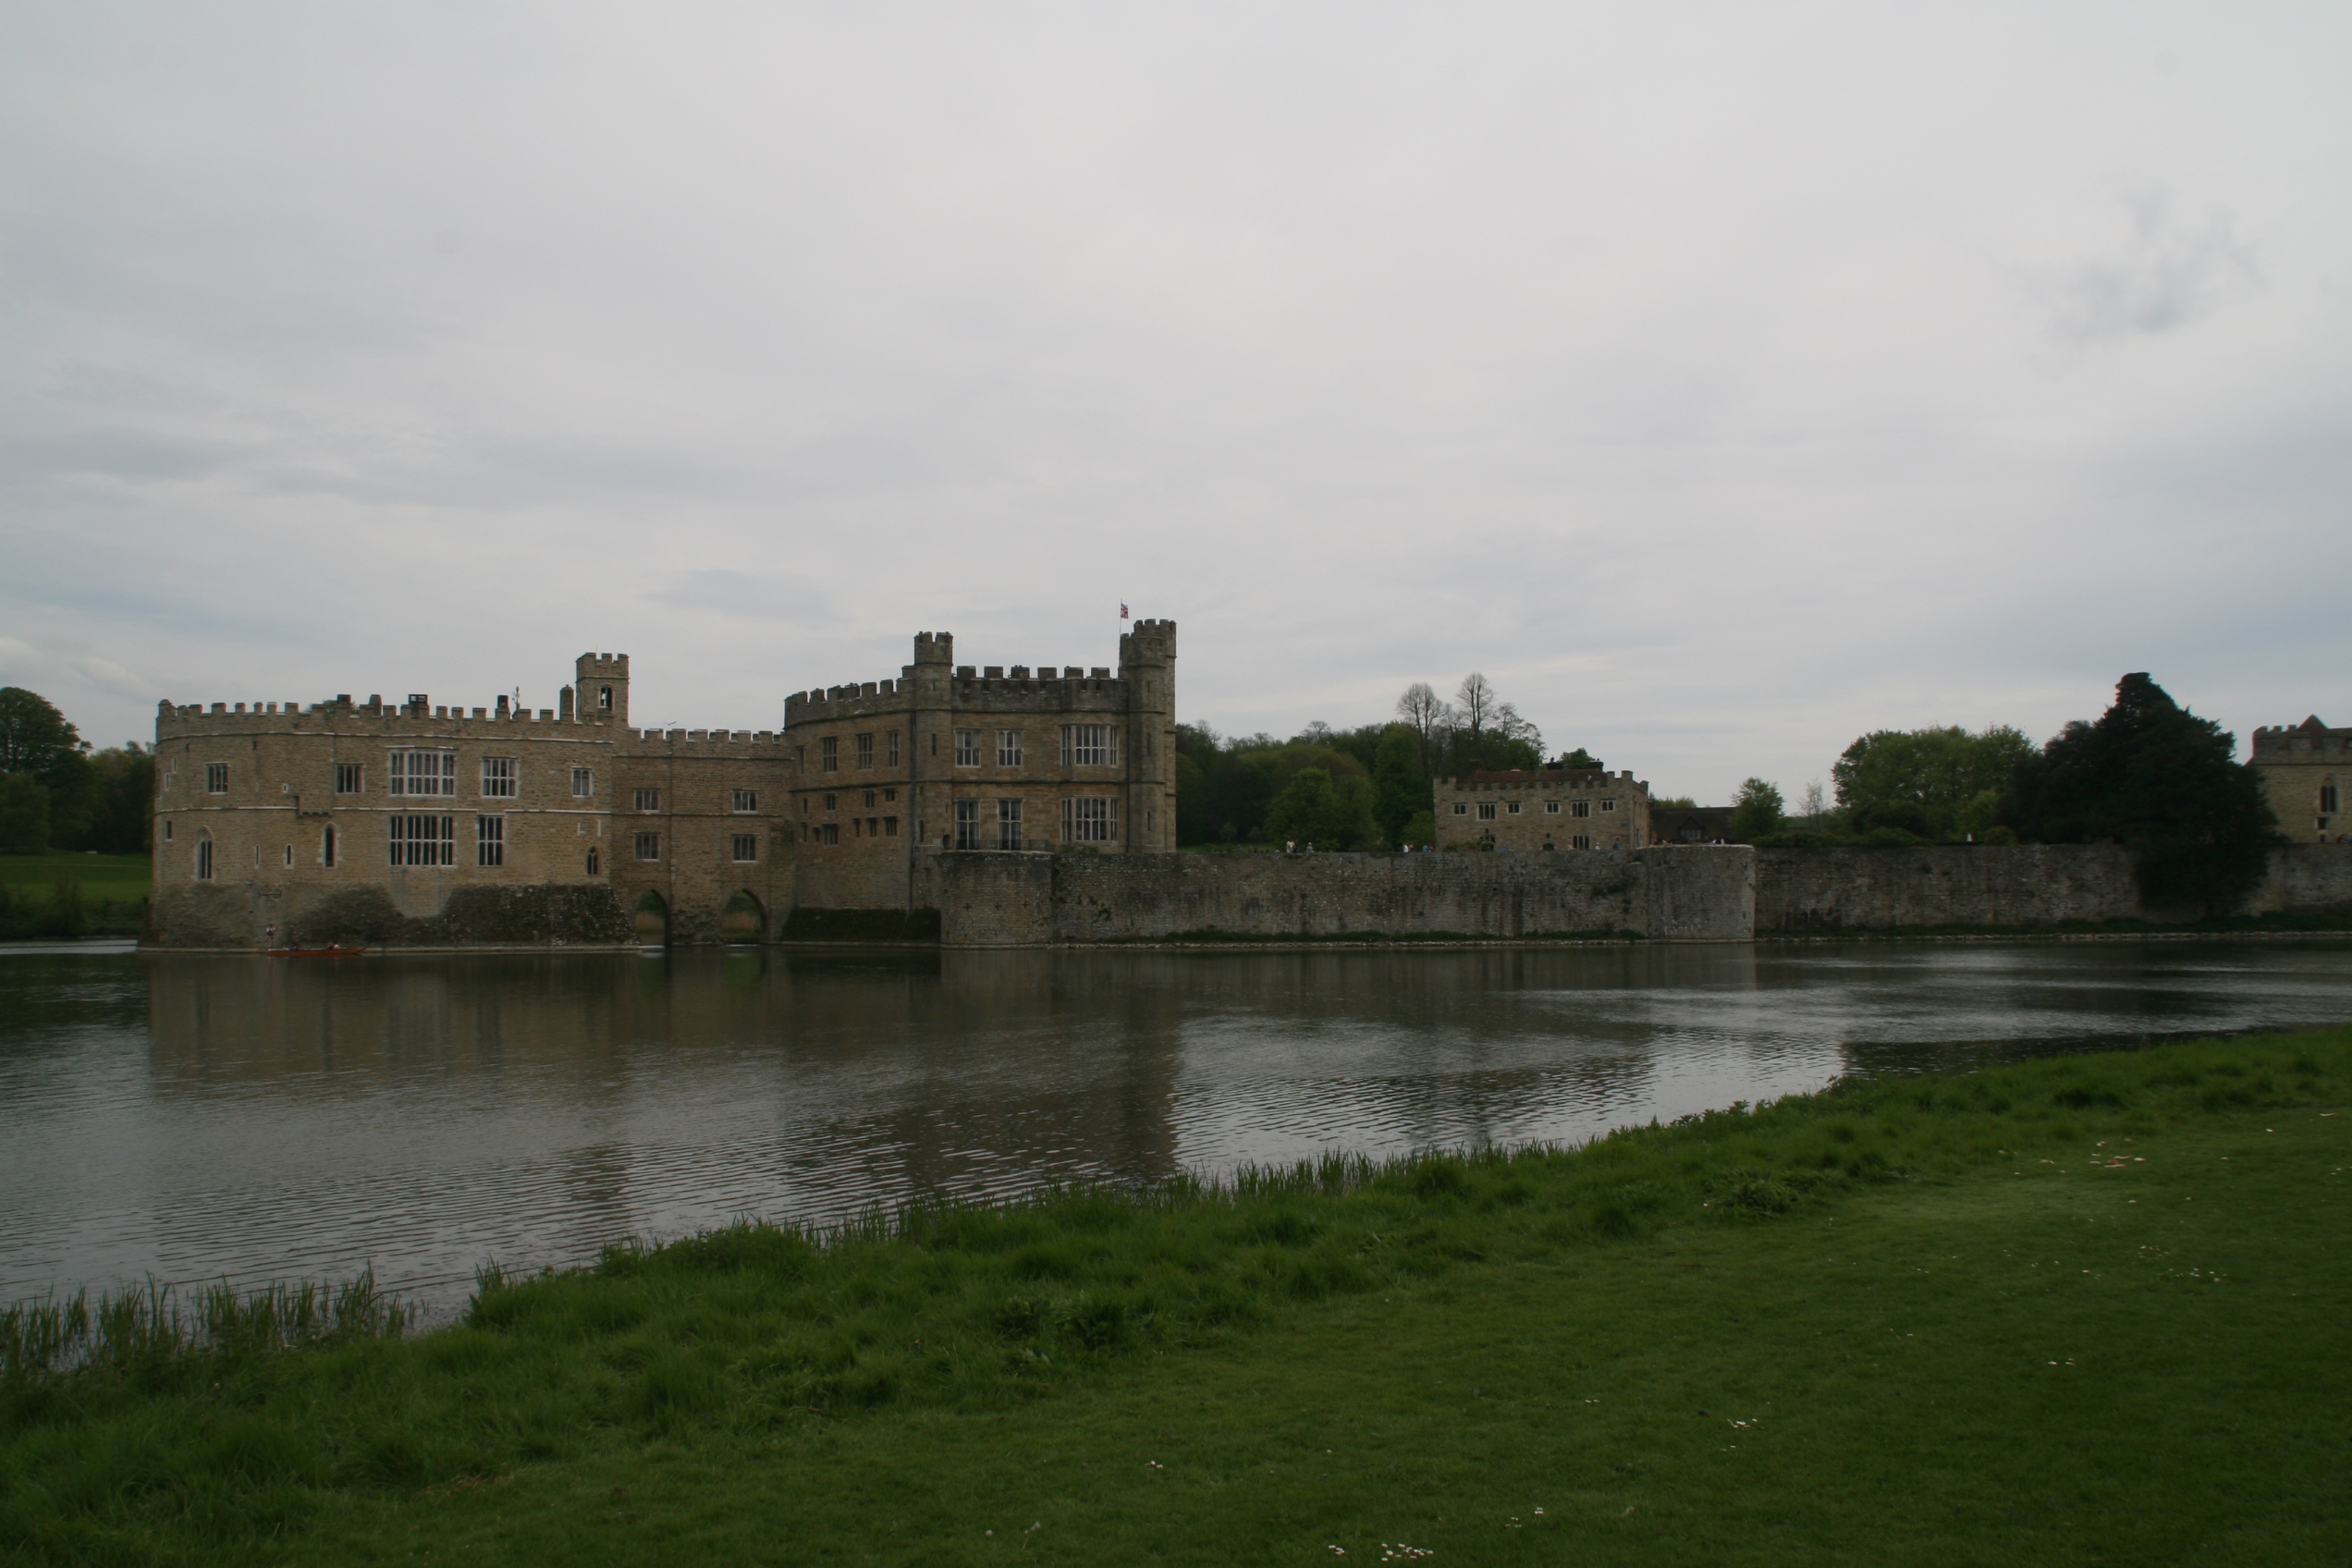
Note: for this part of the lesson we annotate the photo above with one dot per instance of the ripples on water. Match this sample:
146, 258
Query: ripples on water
197, 1118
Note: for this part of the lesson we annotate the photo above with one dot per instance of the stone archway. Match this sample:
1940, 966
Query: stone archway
653, 920
743, 920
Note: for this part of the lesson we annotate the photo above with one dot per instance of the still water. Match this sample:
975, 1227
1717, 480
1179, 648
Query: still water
206, 1118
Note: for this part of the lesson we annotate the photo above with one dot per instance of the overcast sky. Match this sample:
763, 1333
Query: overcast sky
1722, 382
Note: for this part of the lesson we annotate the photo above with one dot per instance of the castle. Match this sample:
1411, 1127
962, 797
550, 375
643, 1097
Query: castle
924, 806
421, 823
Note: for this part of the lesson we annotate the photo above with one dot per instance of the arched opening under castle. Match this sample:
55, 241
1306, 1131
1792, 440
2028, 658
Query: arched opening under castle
743, 920
653, 920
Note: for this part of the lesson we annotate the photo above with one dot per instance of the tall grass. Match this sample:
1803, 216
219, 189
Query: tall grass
147, 1330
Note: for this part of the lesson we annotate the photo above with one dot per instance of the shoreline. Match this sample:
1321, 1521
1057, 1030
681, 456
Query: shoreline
1270, 944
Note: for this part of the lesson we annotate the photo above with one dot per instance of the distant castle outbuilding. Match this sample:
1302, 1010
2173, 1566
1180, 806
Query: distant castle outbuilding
1554, 807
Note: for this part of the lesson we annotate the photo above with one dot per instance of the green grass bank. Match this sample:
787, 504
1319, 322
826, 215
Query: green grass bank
2086, 1309
73, 895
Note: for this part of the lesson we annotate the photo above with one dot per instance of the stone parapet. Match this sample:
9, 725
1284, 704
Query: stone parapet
997, 900
2026, 884
2305, 879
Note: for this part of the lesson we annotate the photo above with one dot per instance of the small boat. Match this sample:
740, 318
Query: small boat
329, 951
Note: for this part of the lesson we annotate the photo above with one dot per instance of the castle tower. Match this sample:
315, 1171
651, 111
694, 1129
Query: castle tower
603, 685
1147, 665
930, 682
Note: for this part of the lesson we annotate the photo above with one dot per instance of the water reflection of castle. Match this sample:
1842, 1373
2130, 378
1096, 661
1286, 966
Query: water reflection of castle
778, 1082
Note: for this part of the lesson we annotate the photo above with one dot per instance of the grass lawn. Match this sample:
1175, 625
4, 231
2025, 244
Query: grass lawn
2088, 1309
107, 897
121, 878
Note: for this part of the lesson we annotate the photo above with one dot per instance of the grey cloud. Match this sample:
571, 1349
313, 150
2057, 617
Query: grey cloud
2166, 275
131, 456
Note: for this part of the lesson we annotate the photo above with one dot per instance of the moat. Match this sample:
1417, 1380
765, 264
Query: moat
191, 1118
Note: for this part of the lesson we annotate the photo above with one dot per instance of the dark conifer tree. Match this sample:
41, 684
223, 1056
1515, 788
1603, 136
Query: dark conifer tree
2154, 775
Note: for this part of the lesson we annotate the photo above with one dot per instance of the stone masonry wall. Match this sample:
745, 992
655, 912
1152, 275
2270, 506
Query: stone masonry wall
2011, 885
2306, 880
1007, 899
238, 916
1945, 885
994, 899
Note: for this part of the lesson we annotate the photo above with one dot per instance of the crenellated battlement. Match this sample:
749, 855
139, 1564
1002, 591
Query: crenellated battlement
970, 687
1543, 778
2310, 738
934, 680
342, 716
700, 742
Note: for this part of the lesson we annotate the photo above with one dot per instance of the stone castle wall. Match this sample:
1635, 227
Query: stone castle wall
2008, 885
1014, 900
2305, 879
1714, 894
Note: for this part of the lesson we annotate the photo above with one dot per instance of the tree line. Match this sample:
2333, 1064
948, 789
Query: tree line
2148, 772
1370, 788
57, 793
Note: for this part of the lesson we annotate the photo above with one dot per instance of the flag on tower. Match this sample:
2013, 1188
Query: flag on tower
1123, 612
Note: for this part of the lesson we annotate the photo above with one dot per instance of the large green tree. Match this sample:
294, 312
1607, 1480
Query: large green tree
1226, 788
40, 745
2152, 775
1400, 790
1755, 811
120, 801
1331, 813
1941, 782
34, 737
24, 815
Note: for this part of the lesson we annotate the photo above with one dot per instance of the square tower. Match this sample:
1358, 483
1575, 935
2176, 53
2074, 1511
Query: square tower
603, 684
